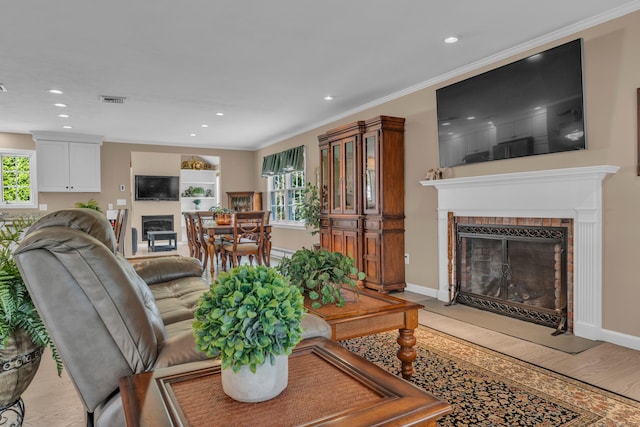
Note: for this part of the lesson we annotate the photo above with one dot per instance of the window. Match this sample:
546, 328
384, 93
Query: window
17, 173
285, 192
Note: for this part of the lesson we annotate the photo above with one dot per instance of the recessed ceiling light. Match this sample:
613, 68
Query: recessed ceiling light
219, 114
328, 98
470, 117
192, 134
67, 127
204, 126
55, 91
451, 39
60, 105
446, 124
64, 116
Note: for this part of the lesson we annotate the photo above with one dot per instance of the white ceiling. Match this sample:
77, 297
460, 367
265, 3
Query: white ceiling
265, 64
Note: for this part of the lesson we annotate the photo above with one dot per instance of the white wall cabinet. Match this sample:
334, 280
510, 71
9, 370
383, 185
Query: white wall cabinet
67, 162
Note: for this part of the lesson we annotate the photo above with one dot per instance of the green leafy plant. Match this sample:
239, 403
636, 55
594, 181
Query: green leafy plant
321, 274
309, 208
90, 204
248, 316
219, 210
16, 307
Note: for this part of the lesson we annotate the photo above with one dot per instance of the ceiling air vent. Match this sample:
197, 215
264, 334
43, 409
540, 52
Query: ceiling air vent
112, 99
2, 88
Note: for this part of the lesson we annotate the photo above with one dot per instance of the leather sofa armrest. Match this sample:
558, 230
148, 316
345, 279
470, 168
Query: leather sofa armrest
164, 269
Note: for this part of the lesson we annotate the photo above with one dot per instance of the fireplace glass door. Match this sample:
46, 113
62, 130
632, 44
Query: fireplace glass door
516, 271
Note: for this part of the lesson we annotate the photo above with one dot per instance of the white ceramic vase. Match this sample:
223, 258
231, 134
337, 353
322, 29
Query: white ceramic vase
268, 381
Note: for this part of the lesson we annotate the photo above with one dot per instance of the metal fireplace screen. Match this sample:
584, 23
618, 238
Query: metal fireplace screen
518, 271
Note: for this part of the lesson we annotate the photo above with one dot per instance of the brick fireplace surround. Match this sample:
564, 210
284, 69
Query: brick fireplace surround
574, 193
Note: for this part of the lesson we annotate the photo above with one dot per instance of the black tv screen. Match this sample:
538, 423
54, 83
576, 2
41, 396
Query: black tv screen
150, 187
529, 107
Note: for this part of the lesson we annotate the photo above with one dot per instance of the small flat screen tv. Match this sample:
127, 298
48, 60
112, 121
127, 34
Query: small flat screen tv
150, 187
529, 107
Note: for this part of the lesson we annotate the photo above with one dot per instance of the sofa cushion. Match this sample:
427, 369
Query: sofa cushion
163, 269
178, 299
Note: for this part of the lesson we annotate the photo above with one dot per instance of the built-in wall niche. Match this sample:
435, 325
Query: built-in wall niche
199, 183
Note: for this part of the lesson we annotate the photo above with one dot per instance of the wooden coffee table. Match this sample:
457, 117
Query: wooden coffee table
328, 386
368, 312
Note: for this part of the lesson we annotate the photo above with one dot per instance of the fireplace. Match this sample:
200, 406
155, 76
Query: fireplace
514, 269
570, 193
156, 223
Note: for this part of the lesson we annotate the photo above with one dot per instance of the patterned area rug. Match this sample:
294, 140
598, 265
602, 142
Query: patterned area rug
487, 388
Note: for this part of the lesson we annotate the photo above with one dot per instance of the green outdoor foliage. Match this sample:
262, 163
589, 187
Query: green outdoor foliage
309, 208
91, 204
16, 179
321, 274
248, 315
16, 308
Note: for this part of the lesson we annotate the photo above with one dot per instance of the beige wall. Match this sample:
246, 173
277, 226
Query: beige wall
612, 74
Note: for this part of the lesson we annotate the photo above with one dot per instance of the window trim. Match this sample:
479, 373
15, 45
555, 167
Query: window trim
33, 181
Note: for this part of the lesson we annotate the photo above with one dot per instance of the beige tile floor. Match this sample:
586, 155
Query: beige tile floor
52, 401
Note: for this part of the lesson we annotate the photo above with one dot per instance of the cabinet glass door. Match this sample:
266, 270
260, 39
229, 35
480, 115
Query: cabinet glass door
324, 179
349, 176
336, 169
370, 185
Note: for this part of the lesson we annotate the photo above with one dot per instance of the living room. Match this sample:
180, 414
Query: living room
611, 80
610, 83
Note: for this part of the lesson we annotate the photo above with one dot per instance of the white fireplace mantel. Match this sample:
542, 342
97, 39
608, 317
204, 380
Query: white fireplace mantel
558, 193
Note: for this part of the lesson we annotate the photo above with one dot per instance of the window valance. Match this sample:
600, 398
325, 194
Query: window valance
285, 161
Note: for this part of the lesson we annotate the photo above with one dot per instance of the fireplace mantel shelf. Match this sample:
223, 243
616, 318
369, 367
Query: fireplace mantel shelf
574, 193
550, 175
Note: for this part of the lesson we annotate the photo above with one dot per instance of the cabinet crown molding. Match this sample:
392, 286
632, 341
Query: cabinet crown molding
38, 135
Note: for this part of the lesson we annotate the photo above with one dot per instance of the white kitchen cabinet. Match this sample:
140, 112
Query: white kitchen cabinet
67, 162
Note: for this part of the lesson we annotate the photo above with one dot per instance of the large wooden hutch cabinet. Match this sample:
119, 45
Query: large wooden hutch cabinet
362, 194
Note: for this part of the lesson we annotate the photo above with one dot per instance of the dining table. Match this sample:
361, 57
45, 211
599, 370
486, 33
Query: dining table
213, 229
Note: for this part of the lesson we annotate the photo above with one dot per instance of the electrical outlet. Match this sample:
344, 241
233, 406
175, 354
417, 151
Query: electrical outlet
42, 206
122, 187
406, 258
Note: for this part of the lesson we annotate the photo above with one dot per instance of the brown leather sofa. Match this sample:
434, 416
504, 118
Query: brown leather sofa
108, 317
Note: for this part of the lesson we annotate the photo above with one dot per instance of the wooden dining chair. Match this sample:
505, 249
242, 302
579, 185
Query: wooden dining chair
200, 220
192, 239
120, 229
247, 239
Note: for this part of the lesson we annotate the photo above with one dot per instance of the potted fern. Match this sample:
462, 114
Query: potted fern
321, 274
23, 336
251, 319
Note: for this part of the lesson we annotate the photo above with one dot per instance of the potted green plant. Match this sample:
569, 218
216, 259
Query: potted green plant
309, 208
22, 334
222, 215
250, 318
321, 274
90, 204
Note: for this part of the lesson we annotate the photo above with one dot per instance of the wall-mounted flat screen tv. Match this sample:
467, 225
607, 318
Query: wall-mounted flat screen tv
151, 187
532, 106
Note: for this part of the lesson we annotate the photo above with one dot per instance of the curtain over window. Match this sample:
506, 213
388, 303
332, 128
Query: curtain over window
283, 162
